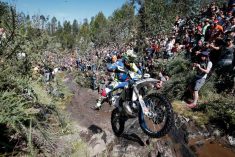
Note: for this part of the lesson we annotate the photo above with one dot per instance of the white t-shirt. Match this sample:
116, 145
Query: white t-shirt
209, 66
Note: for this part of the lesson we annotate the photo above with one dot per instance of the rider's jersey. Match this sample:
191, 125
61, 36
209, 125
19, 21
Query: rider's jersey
135, 73
122, 76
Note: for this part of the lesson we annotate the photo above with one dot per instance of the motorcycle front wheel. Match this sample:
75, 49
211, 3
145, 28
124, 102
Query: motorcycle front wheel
161, 120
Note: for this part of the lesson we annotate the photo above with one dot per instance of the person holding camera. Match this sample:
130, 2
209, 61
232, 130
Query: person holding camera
203, 67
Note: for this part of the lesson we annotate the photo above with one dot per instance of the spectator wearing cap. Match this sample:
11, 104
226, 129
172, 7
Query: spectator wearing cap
203, 67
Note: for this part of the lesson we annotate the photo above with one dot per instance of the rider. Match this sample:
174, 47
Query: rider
121, 78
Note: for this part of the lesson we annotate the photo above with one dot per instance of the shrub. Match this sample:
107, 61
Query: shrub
181, 74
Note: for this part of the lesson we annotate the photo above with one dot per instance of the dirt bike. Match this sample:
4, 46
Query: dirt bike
154, 111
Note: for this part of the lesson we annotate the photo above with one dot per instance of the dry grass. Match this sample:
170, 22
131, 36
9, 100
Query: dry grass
199, 117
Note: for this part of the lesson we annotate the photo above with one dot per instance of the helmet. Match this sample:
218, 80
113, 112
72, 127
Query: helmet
114, 58
129, 56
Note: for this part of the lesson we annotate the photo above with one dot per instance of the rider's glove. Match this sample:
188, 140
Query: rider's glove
121, 69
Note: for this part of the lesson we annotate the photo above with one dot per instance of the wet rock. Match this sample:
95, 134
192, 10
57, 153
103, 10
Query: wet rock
148, 142
117, 151
206, 134
152, 154
164, 150
96, 145
231, 140
200, 143
216, 133
132, 150
180, 121
95, 129
192, 135
109, 137
185, 151
193, 148
129, 151
167, 143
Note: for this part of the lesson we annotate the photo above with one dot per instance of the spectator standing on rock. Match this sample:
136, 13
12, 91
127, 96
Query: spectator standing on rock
203, 67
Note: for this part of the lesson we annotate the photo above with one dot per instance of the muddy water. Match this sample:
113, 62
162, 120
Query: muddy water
190, 141
213, 149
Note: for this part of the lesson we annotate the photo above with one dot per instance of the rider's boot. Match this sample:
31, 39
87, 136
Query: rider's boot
98, 104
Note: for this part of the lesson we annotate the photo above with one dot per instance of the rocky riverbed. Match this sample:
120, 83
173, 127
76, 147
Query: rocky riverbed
185, 139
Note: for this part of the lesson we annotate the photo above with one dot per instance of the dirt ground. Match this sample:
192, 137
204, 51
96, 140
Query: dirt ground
81, 109
133, 142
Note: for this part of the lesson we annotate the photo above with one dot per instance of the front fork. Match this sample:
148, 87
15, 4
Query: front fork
137, 96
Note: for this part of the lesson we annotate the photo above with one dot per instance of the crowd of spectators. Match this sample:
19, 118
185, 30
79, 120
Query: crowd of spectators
211, 32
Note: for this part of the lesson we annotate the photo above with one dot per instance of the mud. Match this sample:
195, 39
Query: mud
82, 112
211, 148
133, 141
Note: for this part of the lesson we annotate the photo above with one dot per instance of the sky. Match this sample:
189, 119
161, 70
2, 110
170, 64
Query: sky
67, 9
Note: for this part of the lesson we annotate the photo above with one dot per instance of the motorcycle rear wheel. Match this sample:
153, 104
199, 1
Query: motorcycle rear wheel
117, 122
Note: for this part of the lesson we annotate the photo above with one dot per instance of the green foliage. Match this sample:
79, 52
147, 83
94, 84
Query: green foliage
214, 107
13, 108
122, 24
53, 25
154, 17
180, 71
26, 123
99, 31
84, 36
75, 27
4, 10
29, 115
221, 111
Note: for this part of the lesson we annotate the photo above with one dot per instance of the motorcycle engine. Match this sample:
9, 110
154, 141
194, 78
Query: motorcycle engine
134, 106
130, 108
